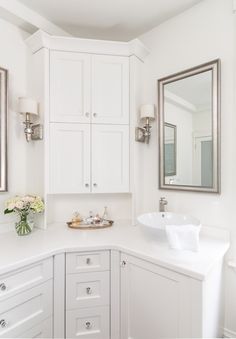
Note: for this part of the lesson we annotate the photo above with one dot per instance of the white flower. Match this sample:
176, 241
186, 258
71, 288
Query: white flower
28, 198
19, 204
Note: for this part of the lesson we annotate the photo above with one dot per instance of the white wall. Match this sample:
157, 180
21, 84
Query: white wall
203, 33
13, 56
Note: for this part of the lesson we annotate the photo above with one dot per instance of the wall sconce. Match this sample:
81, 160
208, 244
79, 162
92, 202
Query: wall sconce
142, 134
28, 107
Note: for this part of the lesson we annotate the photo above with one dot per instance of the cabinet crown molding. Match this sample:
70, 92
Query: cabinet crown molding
41, 39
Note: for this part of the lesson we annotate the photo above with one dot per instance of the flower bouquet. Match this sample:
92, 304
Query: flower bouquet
24, 207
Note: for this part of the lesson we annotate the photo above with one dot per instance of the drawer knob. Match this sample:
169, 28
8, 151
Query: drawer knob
86, 185
89, 290
88, 325
3, 323
87, 114
94, 115
95, 185
88, 261
3, 287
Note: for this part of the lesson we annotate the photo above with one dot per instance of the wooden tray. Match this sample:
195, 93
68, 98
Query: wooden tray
89, 227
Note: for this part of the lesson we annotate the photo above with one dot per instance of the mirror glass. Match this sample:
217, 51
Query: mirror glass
3, 130
189, 129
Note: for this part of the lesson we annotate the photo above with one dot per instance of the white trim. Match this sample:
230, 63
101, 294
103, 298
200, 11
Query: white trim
41, 39
229, 334
22, 16
234, 6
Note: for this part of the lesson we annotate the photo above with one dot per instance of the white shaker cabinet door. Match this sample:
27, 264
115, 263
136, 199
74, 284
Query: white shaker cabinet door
155, 302
69, 158
110, 158
110, 89
69, 87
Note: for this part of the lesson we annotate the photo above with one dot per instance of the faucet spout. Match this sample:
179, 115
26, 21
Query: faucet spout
162, 203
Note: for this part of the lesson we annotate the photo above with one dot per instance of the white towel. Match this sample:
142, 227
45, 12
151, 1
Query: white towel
183, 237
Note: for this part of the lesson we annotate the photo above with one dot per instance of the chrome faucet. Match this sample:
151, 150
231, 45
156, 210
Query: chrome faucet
162, 203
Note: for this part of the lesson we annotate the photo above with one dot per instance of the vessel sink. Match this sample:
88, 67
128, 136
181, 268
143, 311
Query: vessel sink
158, 220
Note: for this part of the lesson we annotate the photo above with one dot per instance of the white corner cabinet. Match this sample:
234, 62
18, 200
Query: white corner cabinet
108, 294
87, 91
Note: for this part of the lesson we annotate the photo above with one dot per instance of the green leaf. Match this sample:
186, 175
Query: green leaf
7, 211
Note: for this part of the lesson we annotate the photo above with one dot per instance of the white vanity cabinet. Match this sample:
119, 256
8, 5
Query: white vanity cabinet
85, 87
26, 301
88, 295
160, 303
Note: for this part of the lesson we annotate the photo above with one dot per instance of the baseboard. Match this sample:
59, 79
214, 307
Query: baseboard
229, 334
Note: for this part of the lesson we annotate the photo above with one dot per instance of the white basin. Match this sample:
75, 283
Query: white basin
159, 220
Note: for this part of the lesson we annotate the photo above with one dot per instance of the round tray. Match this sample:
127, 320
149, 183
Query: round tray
89, 227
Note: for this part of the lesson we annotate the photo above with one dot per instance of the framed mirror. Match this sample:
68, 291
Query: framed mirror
189, 129
3, 129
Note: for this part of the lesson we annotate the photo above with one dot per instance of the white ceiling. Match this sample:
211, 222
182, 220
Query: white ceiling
108, 19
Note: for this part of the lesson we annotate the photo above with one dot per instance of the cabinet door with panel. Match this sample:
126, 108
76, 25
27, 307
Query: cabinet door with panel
155, 302
110, 89
110, 158
69, 87
69, 158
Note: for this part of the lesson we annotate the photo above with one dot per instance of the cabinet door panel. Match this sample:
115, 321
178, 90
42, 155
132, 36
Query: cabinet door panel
42, 330
69, 158
110, 89
110, 158
155, 302
69, 87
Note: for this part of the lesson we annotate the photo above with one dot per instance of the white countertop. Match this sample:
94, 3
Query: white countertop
18, 251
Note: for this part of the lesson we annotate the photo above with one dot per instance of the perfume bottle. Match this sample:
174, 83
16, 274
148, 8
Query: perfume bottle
89, 220
105, 215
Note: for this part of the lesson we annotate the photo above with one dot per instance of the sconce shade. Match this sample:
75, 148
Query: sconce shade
27, 105
147, 111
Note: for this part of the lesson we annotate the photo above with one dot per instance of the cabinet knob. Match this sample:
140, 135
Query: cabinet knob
3, 287
3, 323
88, 261
86, 185
87, 114
88, 325
95, 185
89, 290
123, 263
95, 115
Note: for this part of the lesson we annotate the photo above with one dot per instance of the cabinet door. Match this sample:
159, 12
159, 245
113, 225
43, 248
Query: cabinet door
69, 158
69, 87
110, 158
155, 302
110, 89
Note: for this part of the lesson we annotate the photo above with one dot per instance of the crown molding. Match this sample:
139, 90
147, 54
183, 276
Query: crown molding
41, 39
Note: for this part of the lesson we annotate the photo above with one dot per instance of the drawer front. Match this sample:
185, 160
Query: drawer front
25, 278
25, 310
87, 289
87, 262
90, 323
42, 330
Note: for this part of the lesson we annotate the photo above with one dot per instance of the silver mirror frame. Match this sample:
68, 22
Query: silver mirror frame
213, 66
3, 128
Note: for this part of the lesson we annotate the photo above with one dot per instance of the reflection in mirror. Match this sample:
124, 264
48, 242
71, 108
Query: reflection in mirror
170, 150
3, 130
188, 104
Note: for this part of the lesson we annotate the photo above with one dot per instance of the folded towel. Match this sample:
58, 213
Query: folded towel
183, 237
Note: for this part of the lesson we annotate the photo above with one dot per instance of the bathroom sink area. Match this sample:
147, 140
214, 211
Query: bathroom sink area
159, 220
182, 230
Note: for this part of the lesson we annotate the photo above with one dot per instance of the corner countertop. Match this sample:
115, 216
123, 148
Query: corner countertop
40, 244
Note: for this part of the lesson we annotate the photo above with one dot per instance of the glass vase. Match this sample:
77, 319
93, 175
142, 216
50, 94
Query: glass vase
24, 226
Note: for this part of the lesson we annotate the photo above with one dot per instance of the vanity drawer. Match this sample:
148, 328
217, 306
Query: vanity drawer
87, 289
87, 262
92, 323
25, 278
25, 310
42, 330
